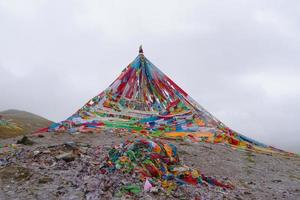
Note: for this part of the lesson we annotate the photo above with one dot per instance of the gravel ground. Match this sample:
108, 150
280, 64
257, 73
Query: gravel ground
47, 170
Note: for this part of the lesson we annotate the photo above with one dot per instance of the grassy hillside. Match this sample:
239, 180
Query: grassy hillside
22, 123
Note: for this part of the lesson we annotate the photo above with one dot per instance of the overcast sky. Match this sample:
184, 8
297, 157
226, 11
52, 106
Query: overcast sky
239, 59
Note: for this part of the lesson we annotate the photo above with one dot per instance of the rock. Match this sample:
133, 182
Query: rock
84, 145
251, 183
25, 140
71, 145
40, 135
3, 162
46, 151
125, 182
36, 152
147, 197
276, 181
92, 184
238, 198
154, 190
68, 157
108, 195
106, 184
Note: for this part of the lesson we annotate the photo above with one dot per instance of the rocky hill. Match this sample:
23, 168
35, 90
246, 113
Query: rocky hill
16, 122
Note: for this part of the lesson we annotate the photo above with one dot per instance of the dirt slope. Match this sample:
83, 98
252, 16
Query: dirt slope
37, 174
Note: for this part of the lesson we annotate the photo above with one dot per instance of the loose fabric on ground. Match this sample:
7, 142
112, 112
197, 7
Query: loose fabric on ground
155, 163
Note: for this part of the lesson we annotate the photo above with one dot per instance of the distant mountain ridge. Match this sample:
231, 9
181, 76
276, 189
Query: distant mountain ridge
19, 122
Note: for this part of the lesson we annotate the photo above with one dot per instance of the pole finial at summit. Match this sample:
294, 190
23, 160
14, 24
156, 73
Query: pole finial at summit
141, 50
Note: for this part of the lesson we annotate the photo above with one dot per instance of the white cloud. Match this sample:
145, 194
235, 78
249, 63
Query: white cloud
277, 83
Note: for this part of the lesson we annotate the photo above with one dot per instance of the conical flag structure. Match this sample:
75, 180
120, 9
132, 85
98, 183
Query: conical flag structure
144, 100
